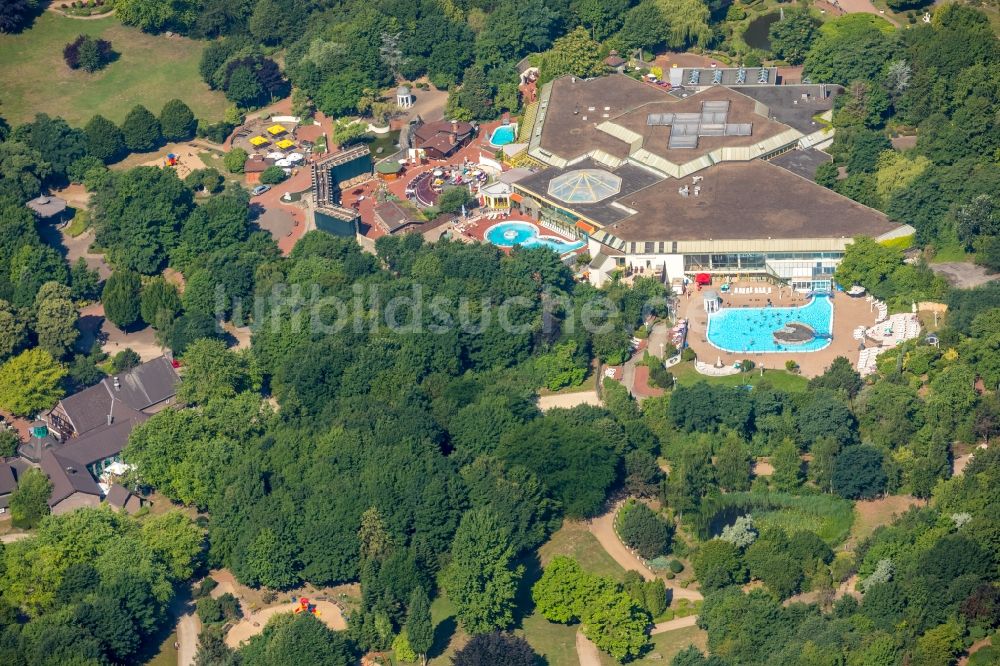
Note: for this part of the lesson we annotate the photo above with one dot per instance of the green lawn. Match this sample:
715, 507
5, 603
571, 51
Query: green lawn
574, 540
167, 656
150, 70
952, 252
779, 379
669, 643
555, 642
447, 636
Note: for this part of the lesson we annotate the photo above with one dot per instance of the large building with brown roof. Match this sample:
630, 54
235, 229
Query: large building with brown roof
676, 181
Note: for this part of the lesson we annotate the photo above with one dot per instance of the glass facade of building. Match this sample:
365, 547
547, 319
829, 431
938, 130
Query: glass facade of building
783, 264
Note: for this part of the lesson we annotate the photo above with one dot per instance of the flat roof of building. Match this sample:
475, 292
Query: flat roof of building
746, 200
802, 162
795, 105
570, 128
741, 111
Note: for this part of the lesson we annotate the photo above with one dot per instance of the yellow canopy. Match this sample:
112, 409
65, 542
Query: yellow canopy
285, 143
275, 130
258, 141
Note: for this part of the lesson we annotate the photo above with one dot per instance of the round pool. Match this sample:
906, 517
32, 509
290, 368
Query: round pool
525, 234
503, 135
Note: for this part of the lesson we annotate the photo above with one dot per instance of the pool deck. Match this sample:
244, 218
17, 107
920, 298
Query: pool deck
849, 313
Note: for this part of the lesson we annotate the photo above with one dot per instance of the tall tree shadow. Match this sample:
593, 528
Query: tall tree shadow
525, 605
443, 633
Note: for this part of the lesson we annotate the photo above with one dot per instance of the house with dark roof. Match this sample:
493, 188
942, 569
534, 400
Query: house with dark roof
615, 62
121, 499
75, 466
84, 434
147, 389
441, 138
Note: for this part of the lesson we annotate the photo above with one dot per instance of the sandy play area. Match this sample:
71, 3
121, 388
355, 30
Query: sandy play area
254, 624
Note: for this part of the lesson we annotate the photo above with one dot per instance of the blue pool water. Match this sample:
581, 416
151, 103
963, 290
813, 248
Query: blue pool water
750, 329
509, 234
503, 135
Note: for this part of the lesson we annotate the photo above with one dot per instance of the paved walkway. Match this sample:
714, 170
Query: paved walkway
603, 528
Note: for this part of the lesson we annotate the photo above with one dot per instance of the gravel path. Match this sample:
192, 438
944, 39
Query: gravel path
568, 400
679, 623
603, 528
188, 628
586, 651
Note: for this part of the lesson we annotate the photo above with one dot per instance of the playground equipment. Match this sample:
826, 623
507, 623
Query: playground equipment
306, 607
171, 160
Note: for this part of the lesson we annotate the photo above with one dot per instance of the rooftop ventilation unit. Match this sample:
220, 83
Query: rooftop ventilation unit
741, 76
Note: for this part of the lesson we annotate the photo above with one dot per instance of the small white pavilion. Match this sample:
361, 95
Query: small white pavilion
404, 97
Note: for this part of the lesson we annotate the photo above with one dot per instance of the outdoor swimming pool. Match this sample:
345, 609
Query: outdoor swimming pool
751, 329
509, 234
503, 135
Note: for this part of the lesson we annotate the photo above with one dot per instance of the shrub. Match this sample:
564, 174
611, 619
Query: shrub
127, 359
676, 566
644, 531
87, 53
9, 441
688, 354
452, 200
206, 586
215, 132
659, 377
209, 610
273, 175
791, 366
234, 160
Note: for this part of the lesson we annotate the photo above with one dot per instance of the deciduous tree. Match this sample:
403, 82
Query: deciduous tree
30, 382
29, 501
177, 121
495, 649
105, 140
141, 130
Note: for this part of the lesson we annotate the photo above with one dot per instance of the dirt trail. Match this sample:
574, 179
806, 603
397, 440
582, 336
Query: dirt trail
603, 527
586, 651
679, 623
188, 628
568, 400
